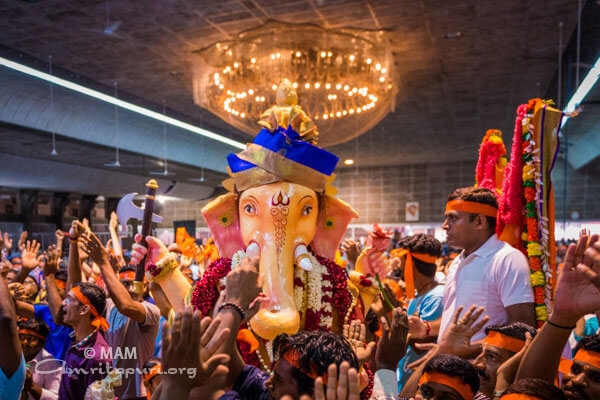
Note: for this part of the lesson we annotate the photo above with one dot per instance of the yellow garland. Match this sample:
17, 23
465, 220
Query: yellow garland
534, 249
537, 278
541, 313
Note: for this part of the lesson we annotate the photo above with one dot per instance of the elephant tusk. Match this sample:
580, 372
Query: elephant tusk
253, 250
302, 258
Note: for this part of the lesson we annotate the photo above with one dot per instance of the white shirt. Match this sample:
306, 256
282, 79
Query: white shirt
494, 276
46, 371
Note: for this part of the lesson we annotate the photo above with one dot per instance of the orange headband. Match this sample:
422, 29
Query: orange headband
409, 276
30, 332
60, 284
98, 321
471, 207
564, 366
453, 382
518, 396
504, 341
130, 275
587, 356
292, 356
156, 370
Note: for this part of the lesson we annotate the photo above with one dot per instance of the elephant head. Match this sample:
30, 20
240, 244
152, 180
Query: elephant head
279, 205
278, 221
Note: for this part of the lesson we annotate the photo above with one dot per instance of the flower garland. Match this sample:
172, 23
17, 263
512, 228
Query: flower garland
491, 160
327, 289
532, 191
342, 298
366, 393
208, 288
510, 204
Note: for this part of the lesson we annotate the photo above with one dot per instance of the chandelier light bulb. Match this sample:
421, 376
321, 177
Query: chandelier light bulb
238, 80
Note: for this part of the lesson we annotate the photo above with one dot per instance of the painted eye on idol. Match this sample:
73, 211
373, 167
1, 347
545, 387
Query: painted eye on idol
307, 210
249, 209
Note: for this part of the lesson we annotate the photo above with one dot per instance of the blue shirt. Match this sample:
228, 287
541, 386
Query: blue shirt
59, 339
10, 388
428, 307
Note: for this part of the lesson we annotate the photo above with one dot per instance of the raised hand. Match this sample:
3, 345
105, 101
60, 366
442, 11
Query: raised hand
77, 229
578, 285
156, 248
114, 221
30, 257
94, 248
243, 285
339, 387
8, 242
86, 224
355, 332
392, 345
189, 346
52, 258
352, 250
22, 239
60, 235
457, 338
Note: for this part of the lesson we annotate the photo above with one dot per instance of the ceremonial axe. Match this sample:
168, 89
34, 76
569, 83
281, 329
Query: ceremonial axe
127, 210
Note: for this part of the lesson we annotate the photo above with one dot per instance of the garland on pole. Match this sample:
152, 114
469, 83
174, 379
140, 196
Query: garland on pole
526, 206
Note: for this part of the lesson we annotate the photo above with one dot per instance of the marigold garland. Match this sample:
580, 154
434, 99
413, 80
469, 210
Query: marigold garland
532, 191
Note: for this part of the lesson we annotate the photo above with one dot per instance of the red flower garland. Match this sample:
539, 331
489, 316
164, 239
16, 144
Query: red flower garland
207, 289
490, 153
366, 393
510, 204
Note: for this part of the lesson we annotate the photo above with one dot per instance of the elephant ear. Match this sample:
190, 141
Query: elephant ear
221, 216
333, 220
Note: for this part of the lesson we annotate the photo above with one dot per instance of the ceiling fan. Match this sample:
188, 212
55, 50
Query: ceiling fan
110, 28
201, 179
164, 172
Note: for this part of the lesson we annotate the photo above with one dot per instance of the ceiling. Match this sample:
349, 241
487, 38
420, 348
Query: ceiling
452, 87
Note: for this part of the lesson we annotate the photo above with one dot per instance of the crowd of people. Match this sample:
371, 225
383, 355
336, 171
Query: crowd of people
444, 325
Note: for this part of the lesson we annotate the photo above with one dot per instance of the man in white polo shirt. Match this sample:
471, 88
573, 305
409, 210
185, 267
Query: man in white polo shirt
488, 272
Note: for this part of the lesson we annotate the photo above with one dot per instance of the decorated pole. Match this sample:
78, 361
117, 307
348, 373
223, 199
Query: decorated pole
126, 210
151, 187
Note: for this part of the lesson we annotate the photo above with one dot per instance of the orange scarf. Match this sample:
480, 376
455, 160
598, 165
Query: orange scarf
409, 275
98, 321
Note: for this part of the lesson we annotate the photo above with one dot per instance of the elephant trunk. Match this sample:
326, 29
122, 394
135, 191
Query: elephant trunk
277, 270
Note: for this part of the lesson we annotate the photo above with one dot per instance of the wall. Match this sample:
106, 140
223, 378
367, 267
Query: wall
379, 194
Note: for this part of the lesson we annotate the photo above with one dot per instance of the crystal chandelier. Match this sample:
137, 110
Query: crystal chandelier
344, 78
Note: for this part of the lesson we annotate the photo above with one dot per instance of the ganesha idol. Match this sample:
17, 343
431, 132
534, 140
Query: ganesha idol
281, 208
